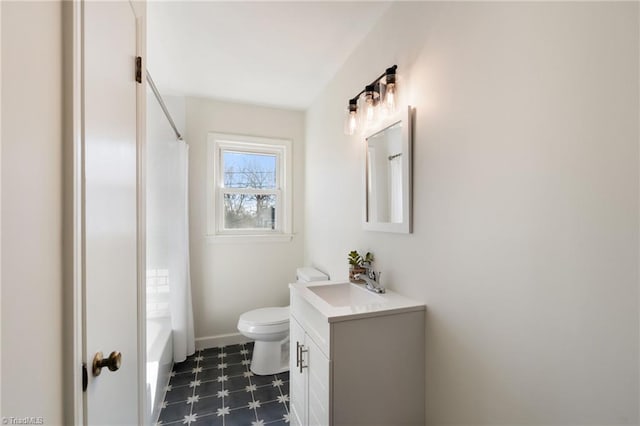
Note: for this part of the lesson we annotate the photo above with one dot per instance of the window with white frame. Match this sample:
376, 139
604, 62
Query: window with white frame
249, 181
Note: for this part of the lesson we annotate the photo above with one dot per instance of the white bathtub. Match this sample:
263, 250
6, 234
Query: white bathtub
159, 364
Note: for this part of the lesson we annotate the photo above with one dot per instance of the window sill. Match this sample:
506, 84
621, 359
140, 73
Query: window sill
261, 238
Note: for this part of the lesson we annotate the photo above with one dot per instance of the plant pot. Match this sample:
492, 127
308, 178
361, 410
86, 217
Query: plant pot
356, 270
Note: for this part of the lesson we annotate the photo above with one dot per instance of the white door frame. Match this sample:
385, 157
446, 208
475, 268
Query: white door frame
0, 198
140, 11
74, 262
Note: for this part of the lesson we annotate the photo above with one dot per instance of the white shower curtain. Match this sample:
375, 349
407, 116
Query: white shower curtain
180, 302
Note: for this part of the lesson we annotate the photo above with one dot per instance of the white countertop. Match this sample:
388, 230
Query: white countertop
380, 304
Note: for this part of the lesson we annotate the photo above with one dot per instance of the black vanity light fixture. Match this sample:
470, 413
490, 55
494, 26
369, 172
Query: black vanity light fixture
379, 98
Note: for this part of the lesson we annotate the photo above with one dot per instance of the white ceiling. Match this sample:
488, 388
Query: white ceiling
268, 53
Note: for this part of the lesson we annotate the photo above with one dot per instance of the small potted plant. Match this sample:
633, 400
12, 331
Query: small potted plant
357, 263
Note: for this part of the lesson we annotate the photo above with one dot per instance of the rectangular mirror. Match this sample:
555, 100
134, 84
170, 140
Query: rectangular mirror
388, 175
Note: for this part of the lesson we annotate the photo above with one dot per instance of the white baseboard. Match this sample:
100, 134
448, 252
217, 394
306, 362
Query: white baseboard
220, 340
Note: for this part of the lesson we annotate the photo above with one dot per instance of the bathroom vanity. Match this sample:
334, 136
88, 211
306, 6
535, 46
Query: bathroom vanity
357, 358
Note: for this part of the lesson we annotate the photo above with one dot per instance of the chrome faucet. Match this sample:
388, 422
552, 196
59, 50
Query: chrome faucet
371, 279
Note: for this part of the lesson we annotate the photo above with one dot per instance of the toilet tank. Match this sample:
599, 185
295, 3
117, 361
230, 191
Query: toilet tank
308, 274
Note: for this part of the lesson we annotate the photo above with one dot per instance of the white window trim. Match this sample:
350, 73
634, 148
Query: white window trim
216, 142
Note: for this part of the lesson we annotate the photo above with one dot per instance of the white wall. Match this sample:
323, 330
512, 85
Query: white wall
231, 278
525, 243
32, 210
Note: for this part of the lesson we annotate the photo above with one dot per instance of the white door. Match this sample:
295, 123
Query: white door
110, 211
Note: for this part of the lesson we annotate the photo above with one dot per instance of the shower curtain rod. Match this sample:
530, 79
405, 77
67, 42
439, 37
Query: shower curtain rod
154, 89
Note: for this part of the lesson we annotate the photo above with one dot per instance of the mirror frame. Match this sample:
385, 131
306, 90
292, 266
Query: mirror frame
406, 226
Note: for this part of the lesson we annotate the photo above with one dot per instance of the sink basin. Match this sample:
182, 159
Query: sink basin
345, 294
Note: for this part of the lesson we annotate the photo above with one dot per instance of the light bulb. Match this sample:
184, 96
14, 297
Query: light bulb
390, 97
390, 94
369, 102
351, 118
370, 110
353, 123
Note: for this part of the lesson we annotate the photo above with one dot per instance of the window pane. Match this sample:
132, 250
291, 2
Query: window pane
249, 170
249, 211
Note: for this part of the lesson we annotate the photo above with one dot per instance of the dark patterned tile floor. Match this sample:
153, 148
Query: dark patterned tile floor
215, 387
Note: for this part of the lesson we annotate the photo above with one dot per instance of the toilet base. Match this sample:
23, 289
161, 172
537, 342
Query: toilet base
270, 357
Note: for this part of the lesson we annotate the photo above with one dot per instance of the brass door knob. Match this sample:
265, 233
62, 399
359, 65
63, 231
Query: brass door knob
113, 362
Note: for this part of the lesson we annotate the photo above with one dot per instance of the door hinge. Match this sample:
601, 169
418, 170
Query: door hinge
85, 377
139, 69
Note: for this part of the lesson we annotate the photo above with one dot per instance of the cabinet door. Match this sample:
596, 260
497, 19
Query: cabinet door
318, 384
297, 379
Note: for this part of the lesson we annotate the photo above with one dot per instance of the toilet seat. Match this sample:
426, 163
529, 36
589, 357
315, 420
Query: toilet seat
266, 316
265, 321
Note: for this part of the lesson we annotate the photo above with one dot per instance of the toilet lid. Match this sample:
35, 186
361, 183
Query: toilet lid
266, 316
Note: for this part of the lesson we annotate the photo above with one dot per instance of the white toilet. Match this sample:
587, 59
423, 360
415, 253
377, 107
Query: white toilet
269, 327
